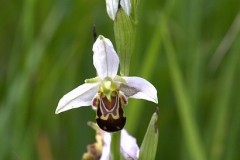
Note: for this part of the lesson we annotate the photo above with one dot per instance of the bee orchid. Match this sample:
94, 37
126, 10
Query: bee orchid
107, 93
128, 146
101, 149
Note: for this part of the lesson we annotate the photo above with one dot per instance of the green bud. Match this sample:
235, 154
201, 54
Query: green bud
134, 12
125, 38
149, 145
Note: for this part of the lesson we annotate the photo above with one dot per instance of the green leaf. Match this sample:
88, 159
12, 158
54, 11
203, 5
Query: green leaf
149, 145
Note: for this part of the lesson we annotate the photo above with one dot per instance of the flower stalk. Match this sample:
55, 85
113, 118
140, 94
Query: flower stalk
115, 146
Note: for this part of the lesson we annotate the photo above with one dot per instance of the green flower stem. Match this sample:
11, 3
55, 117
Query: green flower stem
115, 146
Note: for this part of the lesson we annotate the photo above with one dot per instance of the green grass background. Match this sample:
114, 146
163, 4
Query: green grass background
189, 49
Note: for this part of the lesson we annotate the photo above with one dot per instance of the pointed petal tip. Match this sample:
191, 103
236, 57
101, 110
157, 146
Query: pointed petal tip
101, 37
126, 5
155, 100
61, 105
58, 110
112, 7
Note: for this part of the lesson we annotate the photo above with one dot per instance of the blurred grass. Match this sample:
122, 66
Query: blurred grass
189, 125
46, 50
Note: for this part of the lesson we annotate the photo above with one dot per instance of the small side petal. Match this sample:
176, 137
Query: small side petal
129, 147
105, 58
126, 5
139, 88
80, 96
112, 7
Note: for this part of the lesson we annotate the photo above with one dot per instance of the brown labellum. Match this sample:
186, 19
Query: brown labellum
110, 115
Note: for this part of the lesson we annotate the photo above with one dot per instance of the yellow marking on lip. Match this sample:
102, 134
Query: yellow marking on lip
107, 116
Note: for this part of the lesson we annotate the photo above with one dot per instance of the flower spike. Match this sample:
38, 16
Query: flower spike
107, 93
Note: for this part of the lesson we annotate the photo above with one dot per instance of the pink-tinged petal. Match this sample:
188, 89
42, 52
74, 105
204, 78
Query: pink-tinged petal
112, 7
126, 5
80, 96
129, 147
139, 88
105, 58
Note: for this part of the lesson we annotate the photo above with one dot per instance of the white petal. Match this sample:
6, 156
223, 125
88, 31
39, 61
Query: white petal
80, 96
139, 88
105, 58
112, 7
126, 5
129, 147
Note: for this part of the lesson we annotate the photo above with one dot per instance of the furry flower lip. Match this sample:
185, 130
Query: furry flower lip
108, 92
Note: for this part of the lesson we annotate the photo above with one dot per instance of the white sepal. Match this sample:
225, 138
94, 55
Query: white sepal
129, 147
126, 5
80, 96
112, 7
105, 58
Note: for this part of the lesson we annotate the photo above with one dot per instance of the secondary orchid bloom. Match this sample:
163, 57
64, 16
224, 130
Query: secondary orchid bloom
112, 7
101, 148
108, 92
128, 146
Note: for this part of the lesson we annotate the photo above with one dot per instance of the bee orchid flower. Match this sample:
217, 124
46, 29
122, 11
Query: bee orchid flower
101, 148
128, 146
107, 93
